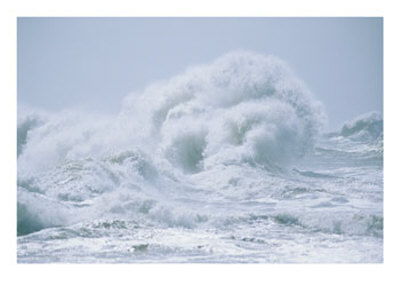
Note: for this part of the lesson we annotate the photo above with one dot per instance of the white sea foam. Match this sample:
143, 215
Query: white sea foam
217, 150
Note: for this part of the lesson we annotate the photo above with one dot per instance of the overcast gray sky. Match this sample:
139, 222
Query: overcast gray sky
96, 62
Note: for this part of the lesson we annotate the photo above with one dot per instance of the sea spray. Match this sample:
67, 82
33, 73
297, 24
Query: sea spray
222, 163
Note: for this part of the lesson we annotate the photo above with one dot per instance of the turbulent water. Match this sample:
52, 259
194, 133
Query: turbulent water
227, 162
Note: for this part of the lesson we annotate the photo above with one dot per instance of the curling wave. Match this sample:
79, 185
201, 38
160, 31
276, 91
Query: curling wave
207, 149
366, 127
244, 107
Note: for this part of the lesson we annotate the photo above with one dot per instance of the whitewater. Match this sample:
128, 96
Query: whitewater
227, 162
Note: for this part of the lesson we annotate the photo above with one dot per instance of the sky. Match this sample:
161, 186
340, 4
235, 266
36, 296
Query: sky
93, 63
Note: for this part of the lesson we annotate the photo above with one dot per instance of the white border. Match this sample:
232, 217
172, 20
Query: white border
203, 281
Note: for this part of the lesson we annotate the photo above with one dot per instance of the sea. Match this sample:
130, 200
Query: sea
227, 162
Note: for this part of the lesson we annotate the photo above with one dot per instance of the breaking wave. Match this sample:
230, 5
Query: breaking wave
364, 127
224, 131
243, 107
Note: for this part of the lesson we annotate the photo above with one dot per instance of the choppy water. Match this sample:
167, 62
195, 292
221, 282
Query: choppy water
227, 162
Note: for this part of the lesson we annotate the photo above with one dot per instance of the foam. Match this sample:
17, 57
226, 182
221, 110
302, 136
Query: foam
367, 126
243, 109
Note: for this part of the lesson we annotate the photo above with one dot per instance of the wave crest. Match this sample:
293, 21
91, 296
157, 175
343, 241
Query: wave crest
368, 126
242, 107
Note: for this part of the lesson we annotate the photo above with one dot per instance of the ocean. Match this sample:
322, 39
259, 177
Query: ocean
228, 162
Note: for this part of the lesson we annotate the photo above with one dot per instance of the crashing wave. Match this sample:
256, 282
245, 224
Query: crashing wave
364, 127
242, 109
